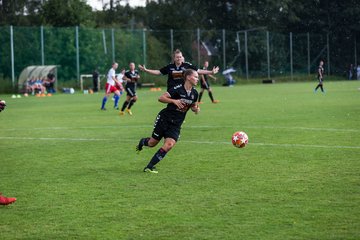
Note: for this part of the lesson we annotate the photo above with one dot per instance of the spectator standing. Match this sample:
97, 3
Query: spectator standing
95, 77
350, 72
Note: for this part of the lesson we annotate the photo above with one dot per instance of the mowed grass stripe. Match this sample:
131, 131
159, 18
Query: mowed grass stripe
184, 141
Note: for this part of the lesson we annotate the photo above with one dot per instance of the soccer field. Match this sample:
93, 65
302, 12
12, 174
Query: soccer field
75, 173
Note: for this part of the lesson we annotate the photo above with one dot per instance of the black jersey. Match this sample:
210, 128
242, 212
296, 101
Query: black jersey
205, 75
175, 74
133, 76
204, 85
172, 113
320, 71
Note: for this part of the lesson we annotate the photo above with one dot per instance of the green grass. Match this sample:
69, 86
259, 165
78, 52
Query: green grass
75, 173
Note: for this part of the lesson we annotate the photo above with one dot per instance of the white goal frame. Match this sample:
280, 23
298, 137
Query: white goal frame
82, 76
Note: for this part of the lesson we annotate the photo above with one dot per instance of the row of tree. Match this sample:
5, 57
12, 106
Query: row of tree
282, 16
338, 19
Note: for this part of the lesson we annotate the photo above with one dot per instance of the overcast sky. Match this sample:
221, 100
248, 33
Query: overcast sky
97, 4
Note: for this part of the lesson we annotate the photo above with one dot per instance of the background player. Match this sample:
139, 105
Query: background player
110, 87
205, 85
175, 70
119, 85
320, 76
131, 77
179, 100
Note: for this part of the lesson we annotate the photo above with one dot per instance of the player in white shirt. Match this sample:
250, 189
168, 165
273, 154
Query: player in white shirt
110, 87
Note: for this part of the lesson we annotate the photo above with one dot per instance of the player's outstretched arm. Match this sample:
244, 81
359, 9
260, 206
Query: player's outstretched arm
151, 71
215, 70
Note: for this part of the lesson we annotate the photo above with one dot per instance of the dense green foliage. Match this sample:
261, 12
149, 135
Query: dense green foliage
333, 28
75, 173
287, 15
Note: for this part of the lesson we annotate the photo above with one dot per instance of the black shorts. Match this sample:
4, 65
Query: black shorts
164, 128
205, 86
130, 91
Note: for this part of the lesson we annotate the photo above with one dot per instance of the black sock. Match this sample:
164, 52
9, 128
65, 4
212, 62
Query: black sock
321, 87
131, 103
211, 96
124, 105
146, 141
200, 96
158, 156
317, 87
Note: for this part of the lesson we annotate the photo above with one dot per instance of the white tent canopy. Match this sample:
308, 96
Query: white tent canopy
36, 71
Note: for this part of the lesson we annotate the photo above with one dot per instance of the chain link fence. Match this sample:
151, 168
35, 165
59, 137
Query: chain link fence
254, 53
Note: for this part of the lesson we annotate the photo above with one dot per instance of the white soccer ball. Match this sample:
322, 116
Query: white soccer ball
240, 139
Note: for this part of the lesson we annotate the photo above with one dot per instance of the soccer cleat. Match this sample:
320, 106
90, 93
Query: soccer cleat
139, 147
6, 200
200, 102
116, 107
215, 101
129, 111
103, 109
150, 170
121, 113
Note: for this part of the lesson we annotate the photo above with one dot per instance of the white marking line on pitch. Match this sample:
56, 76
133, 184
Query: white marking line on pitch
188, 126
68, 128
52, 139
290, 128
184, 141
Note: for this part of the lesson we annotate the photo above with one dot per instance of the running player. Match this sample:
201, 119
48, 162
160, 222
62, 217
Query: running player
119, 85
320, 77
168, 122
131, 77
205, 85
175, 70
110, 87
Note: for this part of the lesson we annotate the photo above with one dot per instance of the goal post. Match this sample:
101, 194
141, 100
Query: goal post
84, 78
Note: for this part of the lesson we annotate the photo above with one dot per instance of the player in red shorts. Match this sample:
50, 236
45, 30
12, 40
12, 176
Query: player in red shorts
6, 200
119, 85
110, 87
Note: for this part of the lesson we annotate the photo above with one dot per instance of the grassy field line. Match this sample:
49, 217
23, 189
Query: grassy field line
188, 126
186, 141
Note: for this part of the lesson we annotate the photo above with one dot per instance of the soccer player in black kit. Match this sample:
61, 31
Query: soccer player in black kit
175, 70
130, 77
168, 122
205, 85
320, 77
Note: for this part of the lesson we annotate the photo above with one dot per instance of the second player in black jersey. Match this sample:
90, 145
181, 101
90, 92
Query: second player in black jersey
205, 85
175, 70
130, 77
168, 122
175, 73
320, 76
